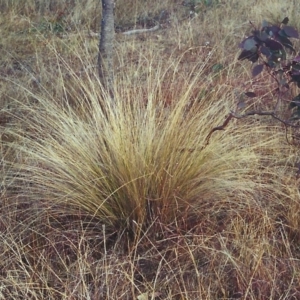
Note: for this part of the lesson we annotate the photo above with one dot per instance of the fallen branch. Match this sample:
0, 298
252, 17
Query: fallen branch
222, 127
136, 31
92, 34
250, 113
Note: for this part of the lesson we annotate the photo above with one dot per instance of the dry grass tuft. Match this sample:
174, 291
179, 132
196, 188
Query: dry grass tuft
127, 201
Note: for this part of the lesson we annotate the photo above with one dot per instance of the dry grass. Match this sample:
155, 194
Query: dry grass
128, 202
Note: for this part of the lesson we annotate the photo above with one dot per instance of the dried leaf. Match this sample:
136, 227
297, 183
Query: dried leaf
144, 296
250, 94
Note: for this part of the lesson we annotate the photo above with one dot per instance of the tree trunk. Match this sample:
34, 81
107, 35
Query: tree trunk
105, 55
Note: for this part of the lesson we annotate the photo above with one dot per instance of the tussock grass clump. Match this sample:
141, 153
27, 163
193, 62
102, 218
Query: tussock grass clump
139, 159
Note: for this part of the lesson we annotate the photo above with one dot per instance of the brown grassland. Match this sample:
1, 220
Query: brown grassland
126, 201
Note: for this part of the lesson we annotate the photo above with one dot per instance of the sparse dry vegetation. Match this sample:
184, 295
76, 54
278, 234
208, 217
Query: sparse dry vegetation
129, 202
